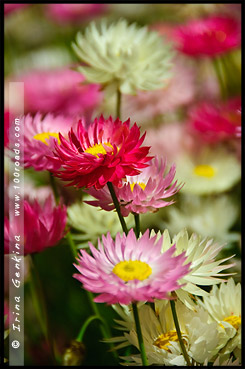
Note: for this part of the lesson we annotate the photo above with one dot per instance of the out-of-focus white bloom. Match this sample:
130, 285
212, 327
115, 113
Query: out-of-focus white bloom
202, 338
224, 306
93, 222
209, 172
149, 105
204, 269
126, 57
206, 216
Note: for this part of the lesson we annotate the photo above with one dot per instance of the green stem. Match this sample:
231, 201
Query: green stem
139, 334
217, 63
137, 224
39, 304
84, 327
54, 188
105, 331
118, 107
117, 206
72, 244
176, 322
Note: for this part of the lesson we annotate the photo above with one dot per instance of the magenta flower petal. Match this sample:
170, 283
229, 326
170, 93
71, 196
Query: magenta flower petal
130, 269
59, 91
210, 37
44, 226
216, 122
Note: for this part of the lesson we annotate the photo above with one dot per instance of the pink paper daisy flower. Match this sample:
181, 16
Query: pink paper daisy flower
44, 226
210, 37
39, 138
61, 92
129, 269
74, 12
215, 122
9, 8
142, 193
106, 152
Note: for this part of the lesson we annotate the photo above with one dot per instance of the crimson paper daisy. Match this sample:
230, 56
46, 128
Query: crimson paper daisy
143, 193
129, 269
106, 152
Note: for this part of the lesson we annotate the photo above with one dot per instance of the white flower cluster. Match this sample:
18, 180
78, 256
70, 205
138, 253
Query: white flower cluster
210, 333
125, 57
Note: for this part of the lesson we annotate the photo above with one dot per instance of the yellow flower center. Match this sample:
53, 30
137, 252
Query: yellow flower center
98, 149
46, 136
132, 269
163, 341
141, 184
233, 320
204, 171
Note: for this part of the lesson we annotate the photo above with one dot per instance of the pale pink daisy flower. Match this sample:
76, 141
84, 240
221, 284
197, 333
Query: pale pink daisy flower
130, 269
44, 226
170, 140
179, 91
40, 136
143, 193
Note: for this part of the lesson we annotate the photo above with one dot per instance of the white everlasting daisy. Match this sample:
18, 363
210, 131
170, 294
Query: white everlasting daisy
126, 57
206, 216
210, 172
224, 306
204, 269
202, 338
220, 362
84, 217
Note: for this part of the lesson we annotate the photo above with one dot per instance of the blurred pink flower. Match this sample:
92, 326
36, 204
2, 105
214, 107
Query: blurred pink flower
74, 12
44, 226
142, 193
105, 152
169, 140
6, 128
39, 138
59, 91
9, 8
129, 269
180, 91
210, 36
215, 122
